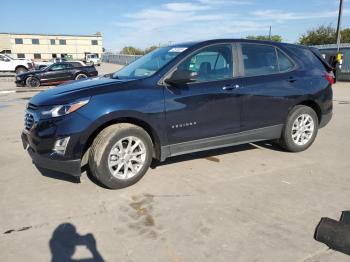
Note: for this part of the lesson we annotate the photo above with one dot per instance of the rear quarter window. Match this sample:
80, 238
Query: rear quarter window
308, 58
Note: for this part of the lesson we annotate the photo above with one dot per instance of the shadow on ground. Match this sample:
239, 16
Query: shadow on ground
65, 240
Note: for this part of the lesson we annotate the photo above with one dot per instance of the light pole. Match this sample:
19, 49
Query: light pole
339, 25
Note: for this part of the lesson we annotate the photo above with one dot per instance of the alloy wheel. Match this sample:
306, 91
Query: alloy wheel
303, 129
127, 157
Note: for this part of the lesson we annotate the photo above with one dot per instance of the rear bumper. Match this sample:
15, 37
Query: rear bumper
325, 119
70, 167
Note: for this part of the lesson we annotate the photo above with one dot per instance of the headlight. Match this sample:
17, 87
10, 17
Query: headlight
18, 78
61, 110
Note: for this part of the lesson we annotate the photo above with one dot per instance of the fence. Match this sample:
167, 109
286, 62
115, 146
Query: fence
343, 72
119, 58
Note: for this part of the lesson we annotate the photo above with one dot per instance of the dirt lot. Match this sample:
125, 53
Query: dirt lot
245, 203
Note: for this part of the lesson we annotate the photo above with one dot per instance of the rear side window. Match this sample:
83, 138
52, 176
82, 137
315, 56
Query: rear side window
285, 64
75, 64
309, 59
259, 59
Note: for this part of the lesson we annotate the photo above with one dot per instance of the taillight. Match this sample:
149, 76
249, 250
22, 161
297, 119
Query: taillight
330, 77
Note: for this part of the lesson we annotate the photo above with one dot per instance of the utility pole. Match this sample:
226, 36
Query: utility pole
339, 25
270, 33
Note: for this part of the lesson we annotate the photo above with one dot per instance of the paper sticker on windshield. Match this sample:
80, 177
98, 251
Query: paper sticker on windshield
178, 49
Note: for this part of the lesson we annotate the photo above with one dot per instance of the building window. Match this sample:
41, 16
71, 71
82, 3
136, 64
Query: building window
35, 41
21, 56
19, 41
94, 42
52, 41
54, 55
62, 42
37, 56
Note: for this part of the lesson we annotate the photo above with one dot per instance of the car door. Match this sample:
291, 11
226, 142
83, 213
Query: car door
207, 108
57, 73
267, 86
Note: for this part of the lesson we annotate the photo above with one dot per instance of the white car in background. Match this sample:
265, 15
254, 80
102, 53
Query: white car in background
9, 64
43, 64
92, 59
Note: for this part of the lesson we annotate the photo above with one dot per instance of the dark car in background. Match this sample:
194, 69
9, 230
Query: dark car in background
177, 100
54, 74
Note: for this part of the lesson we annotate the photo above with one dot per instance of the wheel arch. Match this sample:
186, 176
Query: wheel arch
80, 73
312, 104
21, 66
130, 120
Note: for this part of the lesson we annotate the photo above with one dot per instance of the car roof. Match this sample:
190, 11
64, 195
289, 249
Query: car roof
225, 40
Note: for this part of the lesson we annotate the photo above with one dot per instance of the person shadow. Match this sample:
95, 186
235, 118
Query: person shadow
65, 240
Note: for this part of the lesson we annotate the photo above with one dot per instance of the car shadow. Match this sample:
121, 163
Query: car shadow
65, 240
271, 145
208, 154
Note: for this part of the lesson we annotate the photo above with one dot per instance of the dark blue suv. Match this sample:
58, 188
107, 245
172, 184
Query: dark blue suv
177, 100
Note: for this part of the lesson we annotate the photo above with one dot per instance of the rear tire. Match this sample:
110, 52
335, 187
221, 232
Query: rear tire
113, 163
32, 82
20, 70
81, 76
300, 130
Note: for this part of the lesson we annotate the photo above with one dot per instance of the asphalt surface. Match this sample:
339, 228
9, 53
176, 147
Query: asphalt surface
246, 203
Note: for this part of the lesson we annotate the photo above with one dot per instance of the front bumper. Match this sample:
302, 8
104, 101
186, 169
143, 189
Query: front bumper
20, 83
52, 162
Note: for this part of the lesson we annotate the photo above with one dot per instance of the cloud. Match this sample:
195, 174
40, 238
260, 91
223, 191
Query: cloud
281, 16
202, 19
185, 7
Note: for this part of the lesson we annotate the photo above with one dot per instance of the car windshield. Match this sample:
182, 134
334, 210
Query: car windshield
149, 64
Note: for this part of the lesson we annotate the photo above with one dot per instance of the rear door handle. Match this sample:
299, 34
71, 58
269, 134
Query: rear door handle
292, 79
230, 87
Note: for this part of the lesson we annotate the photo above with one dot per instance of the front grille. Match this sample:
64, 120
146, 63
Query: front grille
28, 121
32, 106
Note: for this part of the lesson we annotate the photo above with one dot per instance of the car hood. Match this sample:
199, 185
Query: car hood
66, 93
25, 74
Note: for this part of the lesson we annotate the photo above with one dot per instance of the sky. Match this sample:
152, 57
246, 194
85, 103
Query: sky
158, 22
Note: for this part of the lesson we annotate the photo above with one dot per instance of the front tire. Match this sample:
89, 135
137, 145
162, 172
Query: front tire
32, 82
120, 155
300, 130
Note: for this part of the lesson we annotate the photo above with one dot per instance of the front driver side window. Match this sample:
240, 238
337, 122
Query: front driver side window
210, 64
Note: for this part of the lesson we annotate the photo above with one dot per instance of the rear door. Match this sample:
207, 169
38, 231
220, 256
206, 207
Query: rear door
207, 107
268, 85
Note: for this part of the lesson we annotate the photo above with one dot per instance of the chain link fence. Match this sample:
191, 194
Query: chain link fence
120, 59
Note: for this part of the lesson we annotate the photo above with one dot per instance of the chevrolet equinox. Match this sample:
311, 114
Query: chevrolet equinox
180, 99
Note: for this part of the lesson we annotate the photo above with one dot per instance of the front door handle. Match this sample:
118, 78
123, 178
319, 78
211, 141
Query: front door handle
230, 87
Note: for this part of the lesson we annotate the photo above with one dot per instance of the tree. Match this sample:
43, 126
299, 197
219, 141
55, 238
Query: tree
130, 50
276, 38
345, 35
150, 49
321, 35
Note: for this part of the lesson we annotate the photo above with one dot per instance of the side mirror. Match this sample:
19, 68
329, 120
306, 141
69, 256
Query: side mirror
181, 77
7, 60
108, 75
